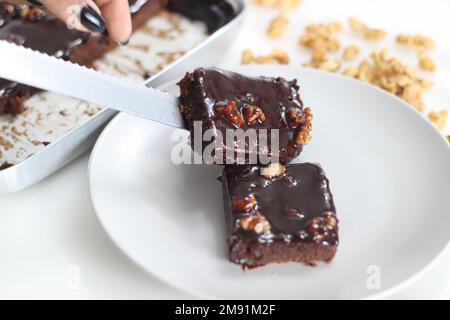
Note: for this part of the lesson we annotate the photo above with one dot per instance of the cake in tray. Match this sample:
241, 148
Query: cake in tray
44, 117
30, 27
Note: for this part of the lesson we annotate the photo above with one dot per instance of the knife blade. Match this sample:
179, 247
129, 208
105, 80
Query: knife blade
45, 72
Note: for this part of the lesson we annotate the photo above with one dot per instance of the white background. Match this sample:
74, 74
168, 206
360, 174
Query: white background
51, 244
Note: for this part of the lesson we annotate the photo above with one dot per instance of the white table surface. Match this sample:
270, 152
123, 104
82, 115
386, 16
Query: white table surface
51, 244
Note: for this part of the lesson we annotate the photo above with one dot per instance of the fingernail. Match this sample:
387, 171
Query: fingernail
92, 20
124, 43
35, 3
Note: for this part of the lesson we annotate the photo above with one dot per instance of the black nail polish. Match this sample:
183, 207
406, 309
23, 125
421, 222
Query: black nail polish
124, 43
35, 3
92, 20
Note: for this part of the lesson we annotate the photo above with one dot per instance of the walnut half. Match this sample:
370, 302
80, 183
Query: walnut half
303, 136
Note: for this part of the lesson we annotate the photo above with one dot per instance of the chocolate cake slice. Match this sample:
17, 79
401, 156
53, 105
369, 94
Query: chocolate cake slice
28, 26
278, 214
221, 102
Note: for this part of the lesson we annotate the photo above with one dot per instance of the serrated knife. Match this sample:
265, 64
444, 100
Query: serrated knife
44, 72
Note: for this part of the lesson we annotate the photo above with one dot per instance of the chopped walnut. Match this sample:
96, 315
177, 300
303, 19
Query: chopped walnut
330, 65
413, 95
320, 39
244, 204
247, 56
351, 72
439, 118
280, 56
277, 56
231, 113
255, 223
350, 53
425, 62
277, 26
253, 114
281, 4
303, 136
273, 170
391, 75
366, 31
294, 117
319, 227
416, 41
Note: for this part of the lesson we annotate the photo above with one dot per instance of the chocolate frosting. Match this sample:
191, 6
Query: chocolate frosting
203, 91
290, 202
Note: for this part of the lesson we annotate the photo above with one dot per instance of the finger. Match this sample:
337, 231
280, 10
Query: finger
78, 14
118, 19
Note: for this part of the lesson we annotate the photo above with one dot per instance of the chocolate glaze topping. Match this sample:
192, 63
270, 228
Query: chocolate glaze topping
297, 204
205, 91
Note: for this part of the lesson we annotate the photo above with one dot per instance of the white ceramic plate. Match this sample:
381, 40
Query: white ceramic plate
389, 172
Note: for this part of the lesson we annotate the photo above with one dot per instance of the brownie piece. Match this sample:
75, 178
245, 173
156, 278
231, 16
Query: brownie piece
278, 214
28, 26
222, 100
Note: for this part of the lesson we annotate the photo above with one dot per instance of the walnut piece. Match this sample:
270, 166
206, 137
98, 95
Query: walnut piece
439, 118
281, 4
332, 65
247, 56
277, 27
416, 41
303, 136
231, 113
294, 117
393, 76
253, 114
277, 56
368, 33
425, 62
255, 223
320, 39
319, 227
350, 53
244, 204
273, 170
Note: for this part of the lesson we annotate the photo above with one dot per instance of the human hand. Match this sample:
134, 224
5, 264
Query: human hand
91, 15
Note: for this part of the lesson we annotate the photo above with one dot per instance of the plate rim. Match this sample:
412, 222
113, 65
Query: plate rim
381, 294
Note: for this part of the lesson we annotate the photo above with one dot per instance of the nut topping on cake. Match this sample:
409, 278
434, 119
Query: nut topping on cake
244, 204
273, 170
231, 113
